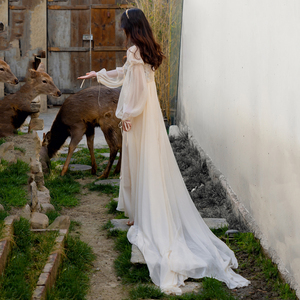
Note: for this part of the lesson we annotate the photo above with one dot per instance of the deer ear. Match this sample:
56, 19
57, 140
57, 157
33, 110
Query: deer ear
32, 73
44, 135
41, 68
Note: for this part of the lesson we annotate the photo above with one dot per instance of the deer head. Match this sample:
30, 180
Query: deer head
42, 83
6, 74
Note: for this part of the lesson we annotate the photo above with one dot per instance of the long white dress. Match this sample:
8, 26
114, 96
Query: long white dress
168, 229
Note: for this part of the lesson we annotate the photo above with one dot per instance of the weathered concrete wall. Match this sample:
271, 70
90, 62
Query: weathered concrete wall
238, 95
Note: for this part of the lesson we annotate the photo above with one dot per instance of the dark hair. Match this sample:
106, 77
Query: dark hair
139, 32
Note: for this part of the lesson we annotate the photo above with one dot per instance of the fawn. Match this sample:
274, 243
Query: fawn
15, 108
6, 74
79, 115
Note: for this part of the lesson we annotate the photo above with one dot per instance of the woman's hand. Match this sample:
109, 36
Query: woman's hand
126, 125
88, 75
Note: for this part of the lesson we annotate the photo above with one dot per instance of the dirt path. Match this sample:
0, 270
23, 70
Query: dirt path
92, 214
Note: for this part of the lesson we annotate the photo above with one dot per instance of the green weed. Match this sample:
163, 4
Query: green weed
144, 291
74, 225
63, 190
3, 215
20, 149
107, 225
13, 183
2, 141
73, 279
109, 189
52, 215
26, 261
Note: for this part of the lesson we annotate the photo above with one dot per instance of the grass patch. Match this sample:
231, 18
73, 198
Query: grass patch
251, 257
129, 273
108, 189
20, 149
52, 215
74, 226
144, 291
2, 141
73, 279
27, 259
107, 225
63, 190
13, 183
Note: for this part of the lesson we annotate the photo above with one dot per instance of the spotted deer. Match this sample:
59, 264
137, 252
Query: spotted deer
6, 74
79, 115
15, 108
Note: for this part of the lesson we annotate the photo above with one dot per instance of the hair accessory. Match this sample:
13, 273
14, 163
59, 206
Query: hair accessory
127, 14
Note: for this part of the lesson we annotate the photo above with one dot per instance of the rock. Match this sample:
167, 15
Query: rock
39, 179
136, 256
108, 181
33, 194
215, 223
120, 224
43, 196
35, 106
39, 221
10, 156
36, 124
10, 219
1, 207
6, 147
61, 222
35, 166
34, 115
191, 287
78, 167
174, 131
231, 232
46, 207
25, 212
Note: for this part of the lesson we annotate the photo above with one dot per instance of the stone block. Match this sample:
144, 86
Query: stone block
39, 178
174, 131
43, 196
108, 181
39, 221
36, 124
25, 212
39, 293
61, 222
120, 224
35, 166
35, 106
6, 147
215, 223
10, 219
46, 207
191, 287
10, 156
35, 115
1, 207
136, 256
33, 194
78, 167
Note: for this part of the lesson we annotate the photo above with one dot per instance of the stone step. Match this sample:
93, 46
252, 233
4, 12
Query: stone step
108, 181
79, 167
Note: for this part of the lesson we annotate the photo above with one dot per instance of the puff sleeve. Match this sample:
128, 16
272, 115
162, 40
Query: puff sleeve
111, 79
134, 92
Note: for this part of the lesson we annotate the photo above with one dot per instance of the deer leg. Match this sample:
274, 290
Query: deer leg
118, 166
75, 139
112, 156
90, 133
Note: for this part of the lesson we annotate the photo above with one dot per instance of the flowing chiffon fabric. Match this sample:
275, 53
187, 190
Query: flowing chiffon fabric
168, 229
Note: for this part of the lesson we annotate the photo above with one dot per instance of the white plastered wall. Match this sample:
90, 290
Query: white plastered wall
239, 94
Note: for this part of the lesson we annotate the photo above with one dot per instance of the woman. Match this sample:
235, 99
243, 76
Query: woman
166, 226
